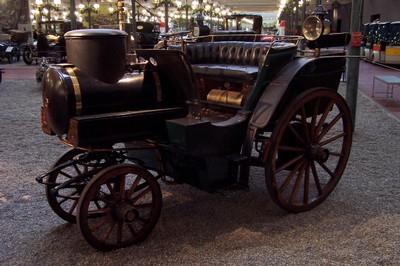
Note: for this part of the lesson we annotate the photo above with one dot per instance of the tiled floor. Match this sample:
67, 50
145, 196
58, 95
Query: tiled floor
365, 82
15, 73
19, 70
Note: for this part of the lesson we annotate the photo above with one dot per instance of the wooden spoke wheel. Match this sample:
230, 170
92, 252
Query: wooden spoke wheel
27, 55
119, 207
75, 169
310, 147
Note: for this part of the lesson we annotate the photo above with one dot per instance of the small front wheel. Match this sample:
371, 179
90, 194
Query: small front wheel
310, 147
71, 173
119, 207
27, 55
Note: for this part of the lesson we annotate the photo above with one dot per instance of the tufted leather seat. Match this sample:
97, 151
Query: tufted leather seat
231, 60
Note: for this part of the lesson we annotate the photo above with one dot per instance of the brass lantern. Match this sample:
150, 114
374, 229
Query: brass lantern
316, 25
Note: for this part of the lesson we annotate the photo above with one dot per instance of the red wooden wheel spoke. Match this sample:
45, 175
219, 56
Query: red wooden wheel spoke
65, 174
337, 154
326, 169
100, 223
316, 178
68, 197
98, 204
291, 148
122, 187
305, 124
142, 193
107, 199
289, 163
99, 213
73, 206
329, 127
332, 139
296, 135
111, 189
306, 183
133, 187
323, 118
108, 232
78, 171
132, 230
314, 118
287, 181
297, 184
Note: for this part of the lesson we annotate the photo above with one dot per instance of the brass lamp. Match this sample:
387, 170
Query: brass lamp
316, 25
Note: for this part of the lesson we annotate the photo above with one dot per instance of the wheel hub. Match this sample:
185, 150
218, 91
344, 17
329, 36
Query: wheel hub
318, 154
126, 213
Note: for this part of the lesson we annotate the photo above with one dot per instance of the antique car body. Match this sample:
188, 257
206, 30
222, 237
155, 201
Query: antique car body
243, 22
10, 48
53, 30
203, 116
147, 34
9, 51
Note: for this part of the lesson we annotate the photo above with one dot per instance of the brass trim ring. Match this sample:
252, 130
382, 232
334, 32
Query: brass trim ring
77, 90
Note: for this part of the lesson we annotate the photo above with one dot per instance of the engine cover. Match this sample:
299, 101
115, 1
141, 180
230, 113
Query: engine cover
69, 92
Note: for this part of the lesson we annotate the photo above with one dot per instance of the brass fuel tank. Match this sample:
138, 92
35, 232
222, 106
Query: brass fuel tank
225, 97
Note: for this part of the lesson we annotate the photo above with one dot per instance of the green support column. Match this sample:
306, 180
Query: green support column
72, 14
134, 29
353, 62
166, 16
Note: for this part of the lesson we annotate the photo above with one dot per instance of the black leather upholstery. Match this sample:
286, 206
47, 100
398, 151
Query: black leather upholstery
237, 53
231, 60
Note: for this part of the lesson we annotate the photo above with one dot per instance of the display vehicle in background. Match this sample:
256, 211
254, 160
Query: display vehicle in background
147, 34
237, 27
243, 23
381, 42
55, 49
10, 47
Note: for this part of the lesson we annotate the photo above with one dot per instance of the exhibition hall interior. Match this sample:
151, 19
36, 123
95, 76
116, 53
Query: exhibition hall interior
234, 122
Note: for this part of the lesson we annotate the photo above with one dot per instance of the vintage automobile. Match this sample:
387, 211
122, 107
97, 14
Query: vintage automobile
147, 34
10, 48
8, 51
203, 116
54, 31
243, 22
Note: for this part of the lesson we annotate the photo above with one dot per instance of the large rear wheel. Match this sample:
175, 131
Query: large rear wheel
310, 147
